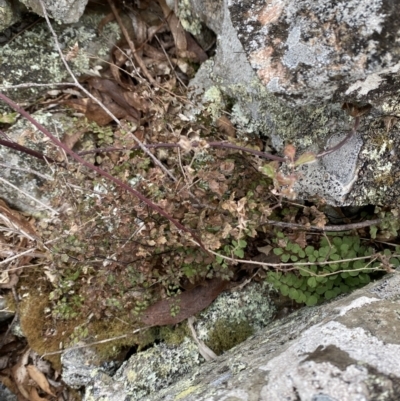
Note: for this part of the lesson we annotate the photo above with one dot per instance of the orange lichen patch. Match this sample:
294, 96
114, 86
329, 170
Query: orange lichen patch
270, 14
261, 56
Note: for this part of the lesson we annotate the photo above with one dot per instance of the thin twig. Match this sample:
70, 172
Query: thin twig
27, 195
343, 227
170, 62
24, 149
107, 340
341, 143
265, 155
30, 84
29, 251
295, 264
27, 170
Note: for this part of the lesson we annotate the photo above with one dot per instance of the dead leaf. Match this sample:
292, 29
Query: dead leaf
73, 52
176, 29
196, 52
140, 31
94, 112
136, 101
71, 138
227, 167
20, 374
225, 125
115, 92
266, 250
153, 53
290, 152
390, 122
207, 353
15, 221
34, 396
355, 110
299, 237
189, 303
39, 378
219, 188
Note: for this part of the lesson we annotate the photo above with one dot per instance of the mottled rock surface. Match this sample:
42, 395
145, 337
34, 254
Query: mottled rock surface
10, 12
33, 58
66, 11
304, 111
313, 50
24, 175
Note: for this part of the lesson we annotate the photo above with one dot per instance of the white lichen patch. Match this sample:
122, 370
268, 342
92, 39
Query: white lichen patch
306, 50
154, 369
189, 21
298, 52
251, 305
215, 101
293, 364
357, 303
26, 134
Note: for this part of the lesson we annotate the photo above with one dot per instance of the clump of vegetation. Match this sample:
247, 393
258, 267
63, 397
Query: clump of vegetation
113, 254
334, 267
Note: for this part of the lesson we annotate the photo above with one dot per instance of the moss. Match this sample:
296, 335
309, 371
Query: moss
174, 335
33, 323
226, 334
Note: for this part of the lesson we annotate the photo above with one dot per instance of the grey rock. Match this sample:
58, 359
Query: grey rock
22, 175
43, 66
66, 11
6, 394
346, 350
78, 365
10, 12
32, 58
304, 106
310, 51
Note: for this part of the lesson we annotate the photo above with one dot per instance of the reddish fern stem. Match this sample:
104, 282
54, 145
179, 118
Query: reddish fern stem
24, 149
98, 170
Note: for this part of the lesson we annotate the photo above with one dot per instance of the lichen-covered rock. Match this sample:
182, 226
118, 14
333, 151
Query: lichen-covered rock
312, 50
346, 350
33, 58
365, 171
9, 13
23, 175
150, 371
66, 11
